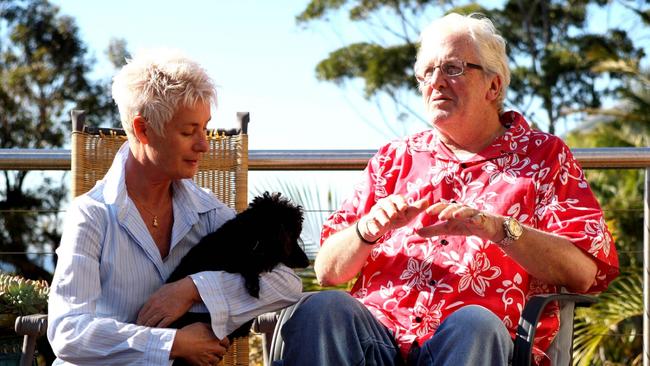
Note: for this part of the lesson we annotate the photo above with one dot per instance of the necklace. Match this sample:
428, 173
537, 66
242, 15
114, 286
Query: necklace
154, 220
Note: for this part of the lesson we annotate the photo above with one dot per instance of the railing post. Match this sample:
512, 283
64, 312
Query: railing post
646, 269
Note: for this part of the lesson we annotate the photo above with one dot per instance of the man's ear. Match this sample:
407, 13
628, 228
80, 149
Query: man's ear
141, 129
495, 87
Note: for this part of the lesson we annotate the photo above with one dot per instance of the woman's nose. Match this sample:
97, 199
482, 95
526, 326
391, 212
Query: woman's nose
202, 144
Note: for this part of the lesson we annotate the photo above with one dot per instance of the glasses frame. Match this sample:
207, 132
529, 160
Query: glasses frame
425, 81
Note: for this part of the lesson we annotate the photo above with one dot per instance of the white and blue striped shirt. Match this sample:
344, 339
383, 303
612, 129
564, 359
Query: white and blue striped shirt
108, 266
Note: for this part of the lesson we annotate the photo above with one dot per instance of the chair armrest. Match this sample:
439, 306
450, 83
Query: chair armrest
31, 327
270, 324
530, 317
265, 323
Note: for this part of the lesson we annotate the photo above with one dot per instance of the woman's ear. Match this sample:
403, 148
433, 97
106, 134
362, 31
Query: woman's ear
495, 87
141, 129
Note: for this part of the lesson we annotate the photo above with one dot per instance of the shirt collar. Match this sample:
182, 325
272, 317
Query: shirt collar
514, 141
189, 199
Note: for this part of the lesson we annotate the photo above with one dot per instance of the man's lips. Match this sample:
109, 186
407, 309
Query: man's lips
438, 98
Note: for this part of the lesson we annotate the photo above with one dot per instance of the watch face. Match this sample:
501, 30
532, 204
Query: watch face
515, 228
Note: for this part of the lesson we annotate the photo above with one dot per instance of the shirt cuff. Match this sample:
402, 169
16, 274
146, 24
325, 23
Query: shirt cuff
161, 346
210, 287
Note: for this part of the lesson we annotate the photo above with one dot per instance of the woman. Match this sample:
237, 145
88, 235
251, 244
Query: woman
452, 229
108, 302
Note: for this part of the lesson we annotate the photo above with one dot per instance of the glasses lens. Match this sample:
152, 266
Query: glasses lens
452, 68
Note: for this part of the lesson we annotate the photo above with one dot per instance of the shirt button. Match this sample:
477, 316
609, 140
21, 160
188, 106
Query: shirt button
444, 242
432, 282
418, 319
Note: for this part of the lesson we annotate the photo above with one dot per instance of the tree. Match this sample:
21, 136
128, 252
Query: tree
558, 67
619, 312
551, 51
43, 74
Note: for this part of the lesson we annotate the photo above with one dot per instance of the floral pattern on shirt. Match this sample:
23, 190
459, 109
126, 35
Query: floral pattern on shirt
411, 284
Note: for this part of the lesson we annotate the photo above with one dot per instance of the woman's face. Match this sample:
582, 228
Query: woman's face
454, 103
176, 155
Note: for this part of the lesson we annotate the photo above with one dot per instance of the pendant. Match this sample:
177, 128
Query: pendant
155, 221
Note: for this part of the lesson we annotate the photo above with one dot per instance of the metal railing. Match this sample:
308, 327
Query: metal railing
601, 158
59, 159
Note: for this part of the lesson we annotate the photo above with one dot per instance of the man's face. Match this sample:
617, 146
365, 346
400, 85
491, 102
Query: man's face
177, 154
453, 103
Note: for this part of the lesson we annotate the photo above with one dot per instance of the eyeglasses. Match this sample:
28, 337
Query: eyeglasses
450, 68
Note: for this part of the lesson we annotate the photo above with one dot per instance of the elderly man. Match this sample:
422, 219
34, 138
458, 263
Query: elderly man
452, 229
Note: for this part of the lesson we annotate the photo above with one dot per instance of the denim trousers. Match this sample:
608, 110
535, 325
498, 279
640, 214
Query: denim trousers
331, 328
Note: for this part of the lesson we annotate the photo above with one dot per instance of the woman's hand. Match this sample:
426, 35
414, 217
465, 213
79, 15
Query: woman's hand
168, 303
197, 345
387, 214
457, 219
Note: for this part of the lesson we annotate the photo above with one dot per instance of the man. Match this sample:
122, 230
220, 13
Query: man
451, 230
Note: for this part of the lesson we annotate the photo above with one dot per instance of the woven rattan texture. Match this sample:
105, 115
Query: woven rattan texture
223, 169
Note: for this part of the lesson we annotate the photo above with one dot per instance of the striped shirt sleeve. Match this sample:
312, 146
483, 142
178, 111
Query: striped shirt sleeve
230, 305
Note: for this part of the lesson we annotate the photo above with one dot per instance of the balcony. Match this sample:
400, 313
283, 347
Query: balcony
351, 160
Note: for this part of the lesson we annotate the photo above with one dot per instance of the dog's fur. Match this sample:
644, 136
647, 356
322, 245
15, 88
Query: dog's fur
254, 241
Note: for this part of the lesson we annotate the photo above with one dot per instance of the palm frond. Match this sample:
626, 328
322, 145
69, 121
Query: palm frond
611, 317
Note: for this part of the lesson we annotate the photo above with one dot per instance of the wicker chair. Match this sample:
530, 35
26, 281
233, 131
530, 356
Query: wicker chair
223, 169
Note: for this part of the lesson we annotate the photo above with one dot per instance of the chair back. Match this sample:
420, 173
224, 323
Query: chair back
223, 169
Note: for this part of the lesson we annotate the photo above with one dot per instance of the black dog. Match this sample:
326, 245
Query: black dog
254, 241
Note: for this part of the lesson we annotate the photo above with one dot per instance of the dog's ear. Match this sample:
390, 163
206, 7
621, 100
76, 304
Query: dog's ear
295, 256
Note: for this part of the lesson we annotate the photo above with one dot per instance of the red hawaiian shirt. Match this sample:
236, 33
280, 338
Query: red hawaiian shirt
411, 284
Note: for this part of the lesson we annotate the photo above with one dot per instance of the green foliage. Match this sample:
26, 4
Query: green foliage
359, 9
608, 332
19, 296
43, 74
553, 56
375, 64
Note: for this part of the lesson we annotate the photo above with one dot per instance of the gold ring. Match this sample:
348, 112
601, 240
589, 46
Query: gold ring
481, 217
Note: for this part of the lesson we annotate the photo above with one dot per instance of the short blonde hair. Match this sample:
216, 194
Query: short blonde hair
155, 83
490, 45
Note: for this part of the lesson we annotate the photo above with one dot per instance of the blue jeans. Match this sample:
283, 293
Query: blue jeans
332, 328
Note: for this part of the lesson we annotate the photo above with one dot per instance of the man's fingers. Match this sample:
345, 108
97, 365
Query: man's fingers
436, 208
421, 204
432, 230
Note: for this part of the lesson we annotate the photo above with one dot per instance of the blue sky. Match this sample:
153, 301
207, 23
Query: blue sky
263, 62
260, 59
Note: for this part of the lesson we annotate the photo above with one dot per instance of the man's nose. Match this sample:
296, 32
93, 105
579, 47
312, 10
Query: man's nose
438, 77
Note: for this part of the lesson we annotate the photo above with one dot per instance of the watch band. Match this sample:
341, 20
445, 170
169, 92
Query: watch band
364, 240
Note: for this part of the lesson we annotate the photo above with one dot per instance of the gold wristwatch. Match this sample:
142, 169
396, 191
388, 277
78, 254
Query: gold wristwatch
513, 230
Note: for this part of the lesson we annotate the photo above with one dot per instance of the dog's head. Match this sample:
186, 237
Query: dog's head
276, 225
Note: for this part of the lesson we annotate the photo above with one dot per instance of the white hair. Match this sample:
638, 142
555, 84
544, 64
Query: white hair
155, 83
490, 45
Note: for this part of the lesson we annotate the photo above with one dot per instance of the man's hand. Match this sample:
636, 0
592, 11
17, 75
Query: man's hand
168, 303
457, 219
197, 345
387, 214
